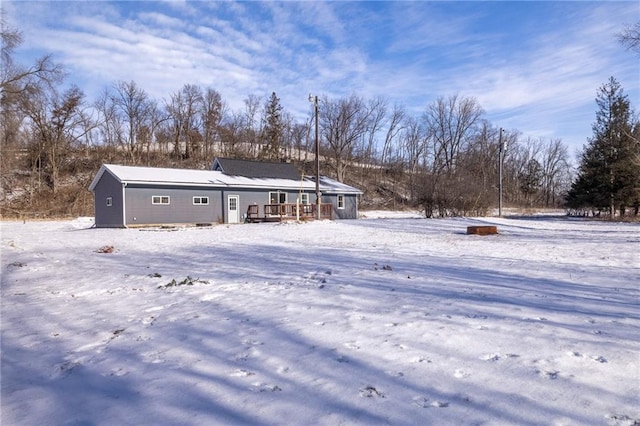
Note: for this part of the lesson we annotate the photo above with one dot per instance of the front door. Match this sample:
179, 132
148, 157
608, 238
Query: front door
233, 211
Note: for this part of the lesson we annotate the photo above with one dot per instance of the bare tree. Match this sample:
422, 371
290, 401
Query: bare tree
451, 122
301, 141
629, 37
479, 169
185, 112
12, 143
290, 135
213, 110
252, 125
175, 130
132, 107
232, 131
109, 124
343, 123
377, 115
57, 123
148, 134
15, 78
517, 166
415, 145
395, 125
555, 167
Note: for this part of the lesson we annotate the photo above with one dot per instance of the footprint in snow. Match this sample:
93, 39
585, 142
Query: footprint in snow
622, 420
251, 352
352, 345
149, 321
265, 387
598, 358
119, 372
64, 369
342, 359
492, 357
154, 357
476, 316
498, 357
549, 374
371, 392
424, 402
421, 401
461, 374
242, 373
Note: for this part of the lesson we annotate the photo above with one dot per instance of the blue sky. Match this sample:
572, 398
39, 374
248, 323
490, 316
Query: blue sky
532, 66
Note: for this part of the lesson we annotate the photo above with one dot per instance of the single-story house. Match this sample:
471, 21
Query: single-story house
234, 191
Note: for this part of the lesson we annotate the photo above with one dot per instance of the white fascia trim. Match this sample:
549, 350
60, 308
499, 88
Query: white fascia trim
338, 192
222, 185
168, 183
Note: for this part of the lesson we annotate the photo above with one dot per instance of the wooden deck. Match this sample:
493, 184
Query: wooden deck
280, 212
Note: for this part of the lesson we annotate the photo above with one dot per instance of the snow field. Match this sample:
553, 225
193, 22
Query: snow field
378, 321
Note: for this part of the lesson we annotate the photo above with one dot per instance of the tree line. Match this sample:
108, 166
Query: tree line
445, 160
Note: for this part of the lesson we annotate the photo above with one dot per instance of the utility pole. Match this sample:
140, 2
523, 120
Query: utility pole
314, 100
501, 156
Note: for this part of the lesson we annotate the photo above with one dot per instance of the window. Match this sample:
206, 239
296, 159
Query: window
200, 201
109, 201
341, 201
277, 197
233, 204
304, 198
160, 199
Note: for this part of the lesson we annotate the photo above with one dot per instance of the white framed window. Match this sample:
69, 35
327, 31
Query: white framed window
341, 201
277, 197
200, 201
304, 198
109, 201
160, 199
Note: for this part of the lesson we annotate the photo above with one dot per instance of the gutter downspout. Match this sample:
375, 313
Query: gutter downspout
124, 210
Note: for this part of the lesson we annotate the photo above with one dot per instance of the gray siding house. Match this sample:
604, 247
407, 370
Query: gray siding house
139, 196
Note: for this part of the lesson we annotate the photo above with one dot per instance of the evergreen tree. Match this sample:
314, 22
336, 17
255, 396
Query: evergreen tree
273, 128
609, 172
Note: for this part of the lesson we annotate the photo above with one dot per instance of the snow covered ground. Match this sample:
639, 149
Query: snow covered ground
395, 320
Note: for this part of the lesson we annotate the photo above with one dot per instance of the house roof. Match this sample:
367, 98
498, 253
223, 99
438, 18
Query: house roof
256, 169
212, 178
331, 186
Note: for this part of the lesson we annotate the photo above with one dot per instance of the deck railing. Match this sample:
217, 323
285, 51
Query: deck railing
289, 212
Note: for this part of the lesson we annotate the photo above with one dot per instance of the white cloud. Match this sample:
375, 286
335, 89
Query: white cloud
543, 80
154, 18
